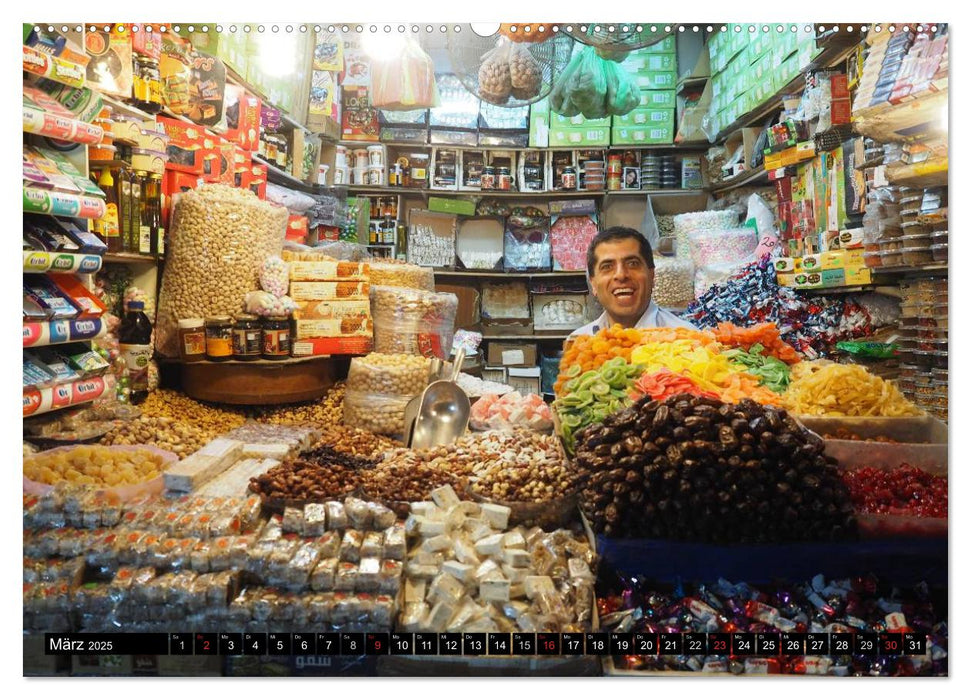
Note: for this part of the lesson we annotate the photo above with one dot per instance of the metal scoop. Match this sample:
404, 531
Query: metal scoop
413, 406
443, 416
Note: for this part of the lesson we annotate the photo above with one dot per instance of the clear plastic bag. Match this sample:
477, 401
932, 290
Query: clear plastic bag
673, 281
413, 322
275, 276
525, 73
264, 304
734, 245
582, 88
395, 274
220, 237
495, 78
382, 414
700, 220
297, 203
379, 373
405, 80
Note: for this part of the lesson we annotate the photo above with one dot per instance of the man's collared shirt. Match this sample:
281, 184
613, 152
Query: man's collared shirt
654, 317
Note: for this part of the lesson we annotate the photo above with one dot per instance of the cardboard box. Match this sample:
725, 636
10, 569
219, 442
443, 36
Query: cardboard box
297, 229
853, 258
832, 260
512, 354
811, 263
656, 80
441, 225
494, 374
185, 145
349, 326
658, 99
809, 279
305, 153
506, 301
644, 61
784, 264
175, 183
559, 312
834, 278
468, 313
632, 136
558, 121
329, 291
786, 279
327, 271
246, 109
358, 121
746, 138
451, 205
646, 118
525, 380
355, 345
578, 136
858, 275
327, 309
511, 327
255, 180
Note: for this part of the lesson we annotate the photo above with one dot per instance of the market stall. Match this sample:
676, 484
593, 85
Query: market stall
246, 306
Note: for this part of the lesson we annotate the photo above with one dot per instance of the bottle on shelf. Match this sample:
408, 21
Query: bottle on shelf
109, 226
119, 368
135, 341
125, 175
152, 213
135, 212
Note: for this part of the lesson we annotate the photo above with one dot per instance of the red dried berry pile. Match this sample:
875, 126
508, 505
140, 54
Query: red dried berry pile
904, 490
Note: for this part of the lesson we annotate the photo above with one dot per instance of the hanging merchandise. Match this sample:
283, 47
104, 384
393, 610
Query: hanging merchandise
405, 80
525, 73
593, 87
495, 78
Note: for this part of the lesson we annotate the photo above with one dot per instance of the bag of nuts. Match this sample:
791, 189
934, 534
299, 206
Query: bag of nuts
392, 273
413, 322
379, 373
495, 80
383, 414
219, 240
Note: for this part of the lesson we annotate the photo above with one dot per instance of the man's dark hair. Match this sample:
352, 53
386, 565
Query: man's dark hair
618, 233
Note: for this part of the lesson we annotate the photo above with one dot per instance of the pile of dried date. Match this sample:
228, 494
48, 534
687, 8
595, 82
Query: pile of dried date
301, 480
696, 469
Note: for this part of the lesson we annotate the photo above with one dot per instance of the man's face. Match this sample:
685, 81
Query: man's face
622, 281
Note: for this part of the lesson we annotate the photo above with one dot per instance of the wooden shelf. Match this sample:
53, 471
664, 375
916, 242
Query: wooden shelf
38, 401
278, 176
553, 335
486, 194
260, 381
700, 146
932, 269
132, 258
61, 263
500, 273
916, 119
749, 177
930, 173
686, 84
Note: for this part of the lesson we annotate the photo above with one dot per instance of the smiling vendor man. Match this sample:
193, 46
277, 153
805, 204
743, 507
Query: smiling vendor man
620, 267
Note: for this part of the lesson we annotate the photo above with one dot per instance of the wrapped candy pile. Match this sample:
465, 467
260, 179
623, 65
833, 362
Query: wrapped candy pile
851, 605
811, 324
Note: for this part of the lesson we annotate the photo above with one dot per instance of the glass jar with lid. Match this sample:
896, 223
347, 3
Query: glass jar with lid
192, 339
247, 337
147, 84
276, 338
219, 338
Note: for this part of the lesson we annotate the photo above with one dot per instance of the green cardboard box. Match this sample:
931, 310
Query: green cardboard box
656, 80
658, 99
646, 118
558, 121
834, 278
643, 62
573, 137
666, 45
451, 205
636, 135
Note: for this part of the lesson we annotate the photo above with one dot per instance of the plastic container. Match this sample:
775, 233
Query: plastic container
915, 240
891, 258
916, 256
102, 151
891, 228
871, 256
939, 236
915, 228
889, 244
911, 201
909, 216
939, 252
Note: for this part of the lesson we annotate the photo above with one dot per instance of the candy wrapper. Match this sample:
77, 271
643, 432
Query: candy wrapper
811, 324
275, 276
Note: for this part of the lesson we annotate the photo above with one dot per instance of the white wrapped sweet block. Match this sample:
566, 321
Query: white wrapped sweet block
483, 624
467, 612
513, 574
516, 557
446, 588
517, 590
463, 572
413, 523
536, 585
455, 519
465, 552
578, 569
415, 590
415, 570
445, 497
435, 559
414, 616
487, 567
514, 540
431, 528
494, 587
514, 609
497, 516
439, 616
278, 451
439, 543
421, 508
477, 529
198, 468
489, 545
